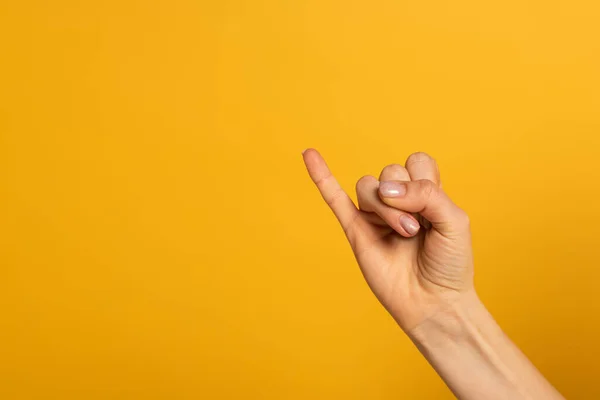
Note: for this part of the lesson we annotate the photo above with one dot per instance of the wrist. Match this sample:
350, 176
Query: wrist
452, 323
468, 349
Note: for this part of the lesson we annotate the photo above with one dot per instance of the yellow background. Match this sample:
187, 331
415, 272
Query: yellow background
160, 239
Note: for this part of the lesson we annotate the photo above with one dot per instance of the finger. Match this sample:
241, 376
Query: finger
397, 172
369, 212
428, 199
374, 219
394, 172
333, 194
422, 166
402, 222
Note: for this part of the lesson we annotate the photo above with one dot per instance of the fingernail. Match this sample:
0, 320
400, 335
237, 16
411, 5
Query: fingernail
304, 151
410, 225
392, 189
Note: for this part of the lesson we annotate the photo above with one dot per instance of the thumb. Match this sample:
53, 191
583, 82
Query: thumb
426, 198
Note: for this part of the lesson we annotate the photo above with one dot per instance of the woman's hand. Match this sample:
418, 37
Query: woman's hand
413, 246
411, 241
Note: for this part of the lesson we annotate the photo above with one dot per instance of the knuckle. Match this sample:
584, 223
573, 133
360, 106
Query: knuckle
418, 157
463, 218
334, 197
392, 169
428, 189
323, 179
364, 182
351, 229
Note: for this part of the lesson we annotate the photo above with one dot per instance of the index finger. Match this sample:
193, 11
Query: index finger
338, 200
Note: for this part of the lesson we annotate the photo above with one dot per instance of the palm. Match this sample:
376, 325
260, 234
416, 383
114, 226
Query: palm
406, 271
387, 260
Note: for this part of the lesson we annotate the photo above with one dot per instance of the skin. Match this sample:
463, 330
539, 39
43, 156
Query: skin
413, 246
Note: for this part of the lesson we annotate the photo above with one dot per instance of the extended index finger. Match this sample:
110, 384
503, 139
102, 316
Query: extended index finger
333, 194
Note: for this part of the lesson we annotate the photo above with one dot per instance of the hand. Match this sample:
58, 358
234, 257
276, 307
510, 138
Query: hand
412, 243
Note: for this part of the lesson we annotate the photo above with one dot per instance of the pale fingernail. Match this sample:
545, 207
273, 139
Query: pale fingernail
410, 225
392, 189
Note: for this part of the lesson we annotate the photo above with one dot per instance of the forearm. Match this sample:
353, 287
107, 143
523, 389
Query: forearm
467, 348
